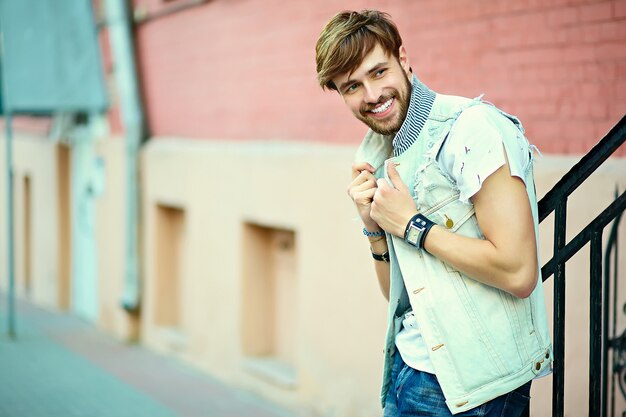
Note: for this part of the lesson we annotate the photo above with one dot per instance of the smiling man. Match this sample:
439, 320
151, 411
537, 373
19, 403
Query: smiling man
383, 113
444, 188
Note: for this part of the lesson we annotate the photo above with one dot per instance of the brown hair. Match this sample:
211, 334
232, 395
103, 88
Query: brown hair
348, 37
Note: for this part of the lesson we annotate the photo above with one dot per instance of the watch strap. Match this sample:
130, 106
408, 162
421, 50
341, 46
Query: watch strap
423, 225
381, 257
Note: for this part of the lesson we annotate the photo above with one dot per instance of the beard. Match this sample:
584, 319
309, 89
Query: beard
391, 126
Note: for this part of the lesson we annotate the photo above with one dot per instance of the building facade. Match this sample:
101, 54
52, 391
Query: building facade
252, 264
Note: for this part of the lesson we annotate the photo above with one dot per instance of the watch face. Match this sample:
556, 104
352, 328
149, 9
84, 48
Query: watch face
413, 234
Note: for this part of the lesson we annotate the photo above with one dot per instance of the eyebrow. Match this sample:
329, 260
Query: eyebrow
372, 70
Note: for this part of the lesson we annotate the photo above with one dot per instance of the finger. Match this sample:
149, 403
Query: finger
370, 183
366, 186
363, 182
394, 176
359, 167
364, 166
382, 184
367, 175
361, 178
365, 196
355, 183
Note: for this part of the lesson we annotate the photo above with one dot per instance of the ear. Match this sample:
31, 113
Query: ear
404, 60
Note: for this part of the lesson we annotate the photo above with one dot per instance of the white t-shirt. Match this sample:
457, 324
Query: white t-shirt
473, 151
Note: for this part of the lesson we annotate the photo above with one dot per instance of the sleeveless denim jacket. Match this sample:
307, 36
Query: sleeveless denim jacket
483, 342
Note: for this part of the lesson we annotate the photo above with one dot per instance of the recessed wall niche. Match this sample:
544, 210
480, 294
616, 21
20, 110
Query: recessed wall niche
169, 266
270, 304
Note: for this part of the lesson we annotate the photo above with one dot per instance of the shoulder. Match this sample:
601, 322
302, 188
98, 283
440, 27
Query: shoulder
447, 107
481, 117
485, 128
481, 140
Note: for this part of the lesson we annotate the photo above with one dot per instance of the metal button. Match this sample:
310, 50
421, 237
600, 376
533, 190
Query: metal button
548, 355
449, 222
462, 404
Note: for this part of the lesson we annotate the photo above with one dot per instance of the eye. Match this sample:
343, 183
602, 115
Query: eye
351, 88
380, 72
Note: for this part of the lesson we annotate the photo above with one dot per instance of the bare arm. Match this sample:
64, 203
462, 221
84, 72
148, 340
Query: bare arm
505, 259
361, 190
381, 268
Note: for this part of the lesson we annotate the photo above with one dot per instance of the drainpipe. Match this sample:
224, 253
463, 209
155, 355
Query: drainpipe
8, 137
10, 223
121, 34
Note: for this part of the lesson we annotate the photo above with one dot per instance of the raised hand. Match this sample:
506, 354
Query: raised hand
392, 204
361, 190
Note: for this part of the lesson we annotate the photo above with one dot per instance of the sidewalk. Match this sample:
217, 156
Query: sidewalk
61, 366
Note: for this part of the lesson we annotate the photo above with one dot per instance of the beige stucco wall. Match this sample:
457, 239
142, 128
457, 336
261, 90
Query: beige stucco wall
36, 159
338, 311
47, 164
110, 236
198, 197
340, 314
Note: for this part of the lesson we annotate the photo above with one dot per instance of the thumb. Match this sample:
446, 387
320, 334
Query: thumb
394, 176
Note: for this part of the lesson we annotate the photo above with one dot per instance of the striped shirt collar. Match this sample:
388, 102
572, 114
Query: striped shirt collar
420, 103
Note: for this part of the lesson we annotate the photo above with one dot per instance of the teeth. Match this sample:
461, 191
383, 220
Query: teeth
382, 107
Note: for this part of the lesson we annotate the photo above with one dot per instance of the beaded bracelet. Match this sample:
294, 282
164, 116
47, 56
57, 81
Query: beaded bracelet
373, 234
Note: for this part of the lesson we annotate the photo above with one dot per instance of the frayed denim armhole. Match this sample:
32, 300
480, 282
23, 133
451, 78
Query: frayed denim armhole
534, 154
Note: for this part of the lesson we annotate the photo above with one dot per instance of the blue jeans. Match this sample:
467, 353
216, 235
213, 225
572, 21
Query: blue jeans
417, 393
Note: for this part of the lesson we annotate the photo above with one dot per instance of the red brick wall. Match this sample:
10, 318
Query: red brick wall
244, 69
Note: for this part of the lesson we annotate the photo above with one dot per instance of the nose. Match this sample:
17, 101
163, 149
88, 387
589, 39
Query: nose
372, 93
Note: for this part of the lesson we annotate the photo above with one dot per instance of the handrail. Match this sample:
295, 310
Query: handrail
583, 169
556, 201
584, 237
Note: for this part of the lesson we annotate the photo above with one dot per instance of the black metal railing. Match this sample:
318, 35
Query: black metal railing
599, 343
617, 344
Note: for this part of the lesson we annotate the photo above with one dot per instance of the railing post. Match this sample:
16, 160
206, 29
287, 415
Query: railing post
558, 387
595, 324
612, 248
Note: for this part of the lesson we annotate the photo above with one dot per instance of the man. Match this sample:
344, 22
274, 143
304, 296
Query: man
445, 190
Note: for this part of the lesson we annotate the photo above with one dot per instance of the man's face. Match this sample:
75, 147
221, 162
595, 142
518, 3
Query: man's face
378, 91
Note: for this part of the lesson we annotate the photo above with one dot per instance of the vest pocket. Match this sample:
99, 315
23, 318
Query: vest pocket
454, 215
431, 189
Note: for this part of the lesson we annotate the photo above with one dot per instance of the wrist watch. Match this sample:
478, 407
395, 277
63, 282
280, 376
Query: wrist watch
416, 230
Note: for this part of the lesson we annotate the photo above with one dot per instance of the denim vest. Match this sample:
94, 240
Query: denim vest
483, 342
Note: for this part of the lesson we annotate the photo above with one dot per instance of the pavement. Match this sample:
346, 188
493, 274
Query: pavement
59, 365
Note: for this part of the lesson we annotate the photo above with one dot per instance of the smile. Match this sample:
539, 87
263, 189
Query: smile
382, 107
